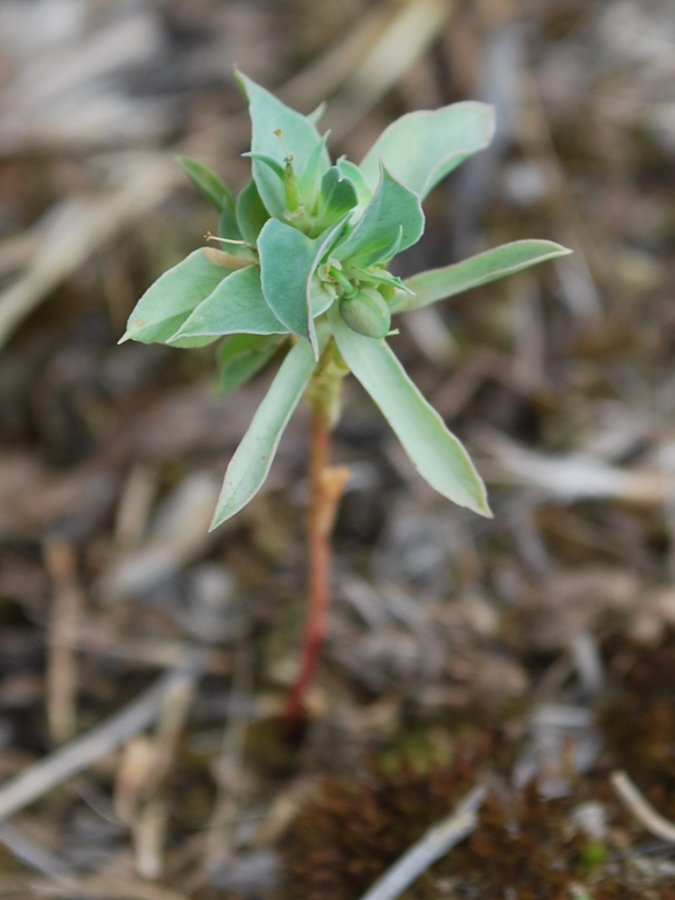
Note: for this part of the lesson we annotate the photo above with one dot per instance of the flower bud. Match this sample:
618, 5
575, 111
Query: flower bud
366, 313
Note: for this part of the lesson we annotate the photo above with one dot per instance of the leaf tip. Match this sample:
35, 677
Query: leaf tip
484, 509
125, 337
221, 513
555, 250
215, 522
314, 341
241, 80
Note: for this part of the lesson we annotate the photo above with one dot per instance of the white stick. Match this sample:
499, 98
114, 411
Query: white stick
643, 811
54, 769
435, 843
33, 855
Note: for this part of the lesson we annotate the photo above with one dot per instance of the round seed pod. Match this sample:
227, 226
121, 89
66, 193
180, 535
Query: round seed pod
366, 313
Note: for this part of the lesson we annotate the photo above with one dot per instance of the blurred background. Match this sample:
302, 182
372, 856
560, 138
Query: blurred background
539, 645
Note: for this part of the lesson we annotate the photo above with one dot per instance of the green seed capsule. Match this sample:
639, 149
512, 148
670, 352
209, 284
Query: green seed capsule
366, 313
291, 190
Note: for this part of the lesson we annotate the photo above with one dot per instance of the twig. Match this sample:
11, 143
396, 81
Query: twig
282, 810
219, 840
577, 280
324, 74
435, 843
588, 662
56, 768
149, 825
77, 228
67, 608
152, 652
641, 809
391, 55
134, 506
15, 251
33, 855
149, 836
105, 887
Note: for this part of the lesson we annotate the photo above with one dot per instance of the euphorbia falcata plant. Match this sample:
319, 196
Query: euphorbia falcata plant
302, 267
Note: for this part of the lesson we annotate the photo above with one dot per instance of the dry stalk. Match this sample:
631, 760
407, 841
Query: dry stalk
69, 760
435, 843
643, 811
34, 855
139, 798
219, 840
67, 611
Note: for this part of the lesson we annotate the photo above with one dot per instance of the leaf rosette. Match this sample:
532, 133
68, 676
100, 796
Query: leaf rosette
303, 265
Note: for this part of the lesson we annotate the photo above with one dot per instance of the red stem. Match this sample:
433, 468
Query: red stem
326, 485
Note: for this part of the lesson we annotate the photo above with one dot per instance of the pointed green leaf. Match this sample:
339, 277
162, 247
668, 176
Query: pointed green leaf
317, 114
208, 183
437, 284
299, 134
393, 211
236, 306
228, 227
363, 192
272, 164
169, 301
380, 253
251, 213
434, 451
288, 259
252, 460
241, 357
286, 263
422, 147
321, 296
380, 276
338, 197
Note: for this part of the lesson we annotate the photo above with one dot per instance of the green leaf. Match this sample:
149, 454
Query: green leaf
422, 147
208, 183
437, 284
352, 171
236, 306
251, 213
338, 197
380, 276
251, 463
310, 177
299, 134
241, 357
436, 453
288, 259
169, 301
317, 114
394, 211
321, 296
381, 254
272, 164
228, 227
